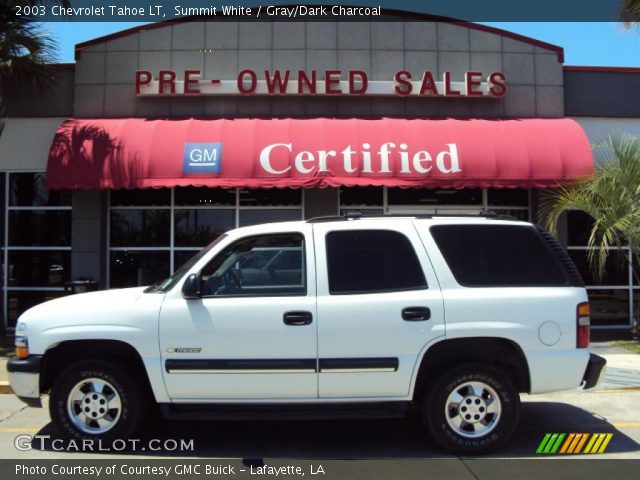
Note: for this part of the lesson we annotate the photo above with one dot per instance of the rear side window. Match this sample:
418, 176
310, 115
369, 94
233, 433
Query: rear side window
372, 261
498, 256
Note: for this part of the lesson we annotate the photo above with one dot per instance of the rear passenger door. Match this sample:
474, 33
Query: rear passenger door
378, 305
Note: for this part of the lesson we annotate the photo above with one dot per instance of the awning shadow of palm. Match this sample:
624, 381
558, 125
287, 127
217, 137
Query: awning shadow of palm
83, 150
362, 439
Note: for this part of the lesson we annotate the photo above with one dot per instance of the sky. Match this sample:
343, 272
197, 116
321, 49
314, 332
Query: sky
595, 43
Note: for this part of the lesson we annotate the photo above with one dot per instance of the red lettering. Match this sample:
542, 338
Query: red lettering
473, 80
403, 81
364, 82
448, 90
189, 82
498, 84
303, 80
143, 77
428, 85
253, 79
166, 78
276, 81
330, 81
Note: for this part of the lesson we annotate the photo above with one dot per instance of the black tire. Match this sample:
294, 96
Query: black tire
435, 417
131, 393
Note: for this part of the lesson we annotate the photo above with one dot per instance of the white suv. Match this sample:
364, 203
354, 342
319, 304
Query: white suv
328, 318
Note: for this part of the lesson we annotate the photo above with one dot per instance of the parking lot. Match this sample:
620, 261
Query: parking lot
614, 411
363, 449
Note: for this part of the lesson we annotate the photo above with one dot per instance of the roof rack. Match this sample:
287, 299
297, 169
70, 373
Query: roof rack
349, 216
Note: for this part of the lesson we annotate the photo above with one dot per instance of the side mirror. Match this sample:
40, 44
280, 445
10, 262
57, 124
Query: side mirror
191, 287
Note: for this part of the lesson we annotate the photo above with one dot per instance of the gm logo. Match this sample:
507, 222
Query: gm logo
202, 157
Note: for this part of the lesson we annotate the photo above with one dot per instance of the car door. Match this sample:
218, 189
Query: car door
252, 331
379, 305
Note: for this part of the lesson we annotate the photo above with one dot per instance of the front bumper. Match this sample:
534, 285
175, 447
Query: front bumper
593, 372
24, 377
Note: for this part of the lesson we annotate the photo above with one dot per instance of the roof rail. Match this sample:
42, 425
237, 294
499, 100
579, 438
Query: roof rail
356, 215
334, 218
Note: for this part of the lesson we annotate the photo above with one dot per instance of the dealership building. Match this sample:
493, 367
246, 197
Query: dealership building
161, 137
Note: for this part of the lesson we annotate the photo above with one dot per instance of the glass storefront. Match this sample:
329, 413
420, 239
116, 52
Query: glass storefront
380, 200
153, 232
36, 243
611, 294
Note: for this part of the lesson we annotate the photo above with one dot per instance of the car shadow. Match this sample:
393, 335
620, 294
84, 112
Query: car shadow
350, 439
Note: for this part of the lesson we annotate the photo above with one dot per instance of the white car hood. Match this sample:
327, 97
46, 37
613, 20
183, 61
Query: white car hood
89, 306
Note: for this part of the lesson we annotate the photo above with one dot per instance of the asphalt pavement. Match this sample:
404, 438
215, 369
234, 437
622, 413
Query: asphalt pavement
366, 448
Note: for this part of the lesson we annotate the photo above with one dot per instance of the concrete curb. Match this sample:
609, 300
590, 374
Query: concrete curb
633, 388
5, 388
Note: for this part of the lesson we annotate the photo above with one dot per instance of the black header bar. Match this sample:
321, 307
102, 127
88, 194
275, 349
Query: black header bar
317, 10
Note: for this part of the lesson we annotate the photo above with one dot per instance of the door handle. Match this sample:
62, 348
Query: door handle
297, 318
416, 314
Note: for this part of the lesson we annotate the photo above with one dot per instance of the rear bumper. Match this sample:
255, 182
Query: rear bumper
24, 377
593, 372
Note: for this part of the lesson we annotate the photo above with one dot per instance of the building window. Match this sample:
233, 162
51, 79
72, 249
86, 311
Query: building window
437, 197
612, 295
269, 205
513, 202
3, 216
153, 232
411, 201
364, 200
36, 233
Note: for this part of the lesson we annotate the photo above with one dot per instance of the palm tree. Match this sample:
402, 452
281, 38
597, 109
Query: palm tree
629, 12
26, 50
611, 198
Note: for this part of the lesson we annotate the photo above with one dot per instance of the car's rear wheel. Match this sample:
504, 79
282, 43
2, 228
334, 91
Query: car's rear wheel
472, 409
96, 399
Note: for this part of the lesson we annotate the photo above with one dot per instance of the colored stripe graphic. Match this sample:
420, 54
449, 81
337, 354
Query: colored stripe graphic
543, 443
550, 443
608, 438
581, 442
598, 442
574, 443
567, 443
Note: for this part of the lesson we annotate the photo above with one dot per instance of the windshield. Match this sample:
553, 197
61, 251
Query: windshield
168, 283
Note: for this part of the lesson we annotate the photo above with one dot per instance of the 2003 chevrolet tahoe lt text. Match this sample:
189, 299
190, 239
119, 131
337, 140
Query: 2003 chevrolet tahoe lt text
333, 317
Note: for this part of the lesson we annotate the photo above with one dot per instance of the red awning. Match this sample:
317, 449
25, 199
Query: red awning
140, 153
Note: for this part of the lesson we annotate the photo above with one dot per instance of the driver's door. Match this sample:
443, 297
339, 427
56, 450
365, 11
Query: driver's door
252, 334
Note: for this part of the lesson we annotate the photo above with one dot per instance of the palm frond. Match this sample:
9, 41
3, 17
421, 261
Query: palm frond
629, 12
26, 52
611, 198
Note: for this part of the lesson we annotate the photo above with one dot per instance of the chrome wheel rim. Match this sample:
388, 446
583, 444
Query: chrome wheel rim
473, 409
94, 406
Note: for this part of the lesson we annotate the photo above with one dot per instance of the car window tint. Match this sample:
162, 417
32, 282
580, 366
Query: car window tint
265, 265
371, 261
498, 256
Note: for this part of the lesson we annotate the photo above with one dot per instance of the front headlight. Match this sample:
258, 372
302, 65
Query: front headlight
22, 347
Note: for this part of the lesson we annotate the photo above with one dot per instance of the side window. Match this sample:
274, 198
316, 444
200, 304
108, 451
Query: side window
372, 261
254, 266
498, 256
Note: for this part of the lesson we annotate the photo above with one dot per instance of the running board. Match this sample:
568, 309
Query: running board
287, 411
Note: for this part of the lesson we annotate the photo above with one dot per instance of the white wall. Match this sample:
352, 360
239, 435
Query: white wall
25, 143
598, 128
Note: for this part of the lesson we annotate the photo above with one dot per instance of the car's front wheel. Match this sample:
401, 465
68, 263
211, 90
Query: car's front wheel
472, 409
96, 399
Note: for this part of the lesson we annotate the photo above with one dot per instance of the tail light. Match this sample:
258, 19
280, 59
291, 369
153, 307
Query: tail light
583, 325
